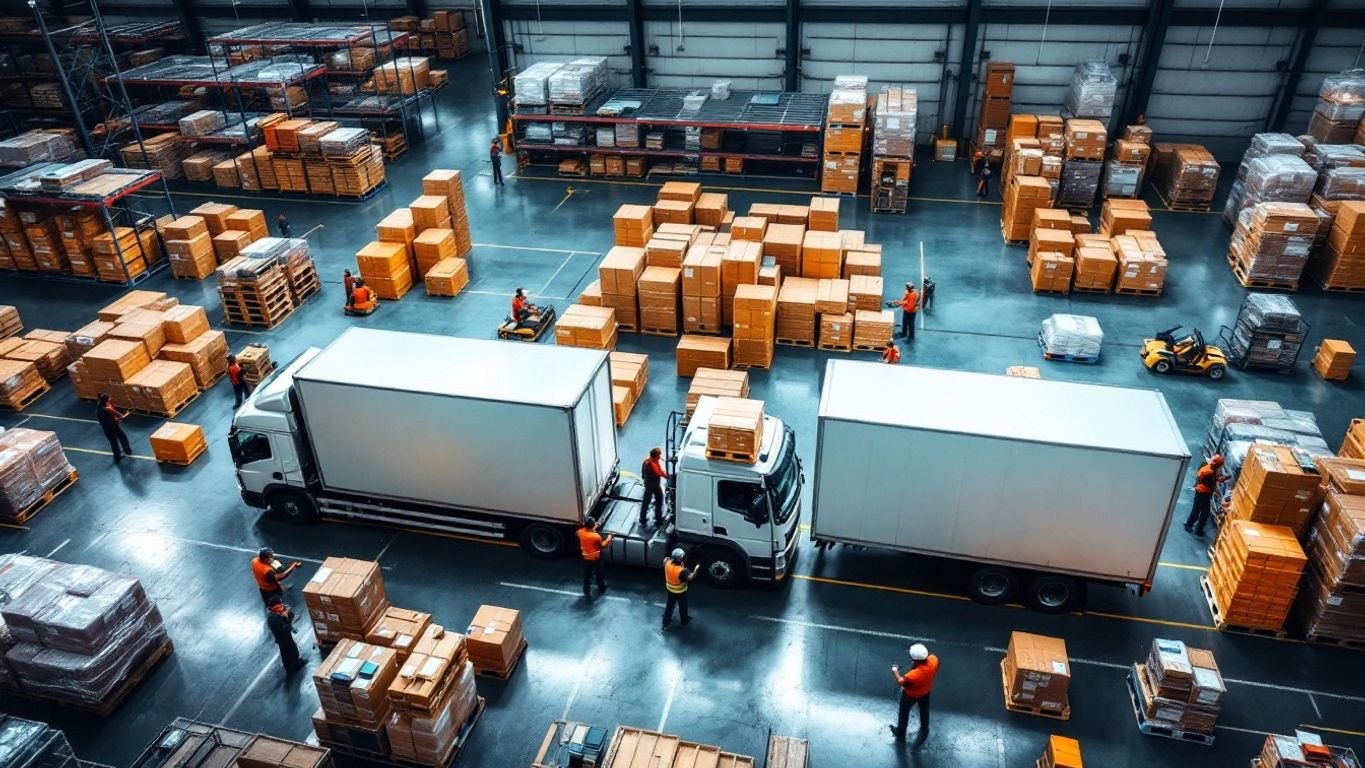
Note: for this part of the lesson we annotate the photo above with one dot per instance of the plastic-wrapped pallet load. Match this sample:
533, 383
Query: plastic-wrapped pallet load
532, 85
343, 142
1269, 179
1072, 336
1272, 242
1323, 156
1180, 687
1080, 181
1331, 605
893, 125
1341, 105
1269, 332
81, 634
1304, 750
31, 464
1238, 424
1262, 145
1093, 87
1347, 183
578, 81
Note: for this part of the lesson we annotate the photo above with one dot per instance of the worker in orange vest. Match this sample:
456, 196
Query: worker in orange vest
653, 474
915, 684
676, 579
363, 299
1206, 481
978, 162
892, 353
241, 390
269, 575
909, 305
590, 544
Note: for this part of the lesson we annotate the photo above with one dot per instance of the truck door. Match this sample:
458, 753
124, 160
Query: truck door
255, 459
741, 515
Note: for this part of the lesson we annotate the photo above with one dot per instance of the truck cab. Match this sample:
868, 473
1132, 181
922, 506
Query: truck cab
274, 467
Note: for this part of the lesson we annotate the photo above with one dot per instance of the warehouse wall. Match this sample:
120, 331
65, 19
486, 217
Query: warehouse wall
534, 41
1333, 50
693, 54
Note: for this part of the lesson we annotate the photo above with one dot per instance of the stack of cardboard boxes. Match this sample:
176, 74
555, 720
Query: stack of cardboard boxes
1303, 750
734, 431
1339, 263
836, 322
189, 247
1118, 217
1024, 195
712, 382
1331, 603
1123, 174
433, 695
582, 325
755, 325
1084, 147
1186, 176
1062, 752
872, 328
1353, 444
20, 384
701, 288
619, 275
1254, 575
821, 254
1341, 104
1271, 244
676, 203
449, 184
633, 225
352, 684
1179, 687
782, 242
697, 352
1036, 673
997, 91
739, 266
345, 599
844, 127
895, 117
1273, 488
629, 375
796, 321
385, 268
1141, 264
659, 300
495, 639
1333, 359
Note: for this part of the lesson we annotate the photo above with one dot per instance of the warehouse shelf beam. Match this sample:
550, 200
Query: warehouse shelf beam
966, 72
792, 55
1289, 87
492, 12
1159, 14
635, 16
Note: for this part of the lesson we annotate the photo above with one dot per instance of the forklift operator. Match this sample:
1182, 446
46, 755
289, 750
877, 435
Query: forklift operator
522, 309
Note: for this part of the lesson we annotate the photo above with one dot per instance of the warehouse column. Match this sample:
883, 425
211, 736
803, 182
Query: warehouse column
417, 8
189, 21
497, 56
635, 18
300, 10
1149, 57
966, 70
1308, 33
792, 81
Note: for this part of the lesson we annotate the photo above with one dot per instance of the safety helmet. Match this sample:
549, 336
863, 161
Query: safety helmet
1217, 458
265, 553
918, 652
677, 555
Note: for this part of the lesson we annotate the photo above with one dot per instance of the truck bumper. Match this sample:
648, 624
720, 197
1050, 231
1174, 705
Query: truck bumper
786, 561
254, 500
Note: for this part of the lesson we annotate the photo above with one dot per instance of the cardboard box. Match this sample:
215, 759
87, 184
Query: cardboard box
494, 638
823, 214
711, 382
796, 311
695, 352
620, 270
353, 681
1037, 672
116, 360
269, 752
1333, 359
399, 629
735, 429
176, 443
832, 297
586, 326
345, 598
629, 370
783, 243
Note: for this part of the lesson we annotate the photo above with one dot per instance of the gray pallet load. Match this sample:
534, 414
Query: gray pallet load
1093, 87
1236, 424
1272, 171
1078, 336
343, 142
1269, 333
32, 462
37, 146
578, 81
31, 744
531, 86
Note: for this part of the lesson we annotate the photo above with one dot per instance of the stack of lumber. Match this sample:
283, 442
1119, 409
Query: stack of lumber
1331, 603
734, 431
1334, 359
587, 326
1254, 575
697, 352
629, 375
495, 640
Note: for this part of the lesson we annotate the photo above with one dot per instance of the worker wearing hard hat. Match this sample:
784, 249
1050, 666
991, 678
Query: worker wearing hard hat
1206, 481
915, 685
676, 579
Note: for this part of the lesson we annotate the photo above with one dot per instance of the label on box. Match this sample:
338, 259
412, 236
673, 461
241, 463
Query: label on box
1252, 532
1291, 226
1334, 600
1273, 344
1082, 134
1058, 668
322, 575
1170, 714
989, 135
1355, 474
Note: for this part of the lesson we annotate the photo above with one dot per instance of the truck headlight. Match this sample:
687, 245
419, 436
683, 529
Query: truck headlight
781, 562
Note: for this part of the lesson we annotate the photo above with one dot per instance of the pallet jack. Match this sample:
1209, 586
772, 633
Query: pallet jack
530, 329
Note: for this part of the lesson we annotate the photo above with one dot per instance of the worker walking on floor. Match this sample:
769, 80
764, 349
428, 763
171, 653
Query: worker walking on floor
915, 685
240, 389
653, 474
1205, 483
891, 354
978, 162
280, 621
282, 222
348, 282
495, 159
590, 544
927, 294
909, 305
676, 579
983, 182
111, 421
269, 575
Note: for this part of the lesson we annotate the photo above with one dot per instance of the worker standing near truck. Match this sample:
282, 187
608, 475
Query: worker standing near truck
280, 621
269, 576
1205, 483
676, 579
916, 685
653, 474
240, 389
590, 544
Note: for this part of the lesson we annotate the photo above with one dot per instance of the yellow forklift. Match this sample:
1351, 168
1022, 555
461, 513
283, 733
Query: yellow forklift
1168, 353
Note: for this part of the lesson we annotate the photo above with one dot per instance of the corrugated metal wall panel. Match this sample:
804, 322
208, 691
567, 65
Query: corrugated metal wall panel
1044, 61
1235, 5
567, 40
713, 4
1334, 49
564, 2
935, 4
743, 52
1107, 4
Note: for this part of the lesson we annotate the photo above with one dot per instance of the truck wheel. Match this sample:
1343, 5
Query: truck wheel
543, 542
723, 568
292, 507
1053, 593
993, 585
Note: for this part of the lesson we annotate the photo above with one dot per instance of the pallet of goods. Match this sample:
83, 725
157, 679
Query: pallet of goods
1340, 107
33, 471
446, 277
659, 300
1254, 577
345, 599
1271, 244
81, 637
619, 275
845, 123
894, 121
1331, 604
587, 326
385, 268
255, 362
1339, 263
701, 288
1036, 674
204, 745
1303, 750
1062, 752
1333, 359
178, 444
712, 382
695, 352
434, 699
755, 325
189, 247
1092, 91
496, 643
1272, 171
629, 375
1127, 166
254, 292
734, 430
1269, 333
1186, 176
1274, 488
1177, 692
632, 747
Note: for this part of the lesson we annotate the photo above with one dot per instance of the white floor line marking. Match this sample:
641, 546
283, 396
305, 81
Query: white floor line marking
58, 548
98, 452
999, 751
21, 422
505, 294
241, 698
546, 287
227, 547
567, 592
60, 418
380, 556
1242, 730
533, 248
573, 692
1316, 711
668, 702
229, 329
837, 628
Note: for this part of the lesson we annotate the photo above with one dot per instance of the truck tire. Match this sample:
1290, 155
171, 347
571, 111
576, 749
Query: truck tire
293, 507
723, 568
1054, 593
543, 542
993, 585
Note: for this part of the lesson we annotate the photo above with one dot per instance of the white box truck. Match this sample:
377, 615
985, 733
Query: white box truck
489, 438
1040, 485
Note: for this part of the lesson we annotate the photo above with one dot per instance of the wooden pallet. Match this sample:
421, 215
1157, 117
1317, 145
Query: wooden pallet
1006, 237
116, 697
256, 379
1239, 272
869, 347
1153, 729
834, 347
1080, 289
1202, 207
745, 458
178, 463
659, 331
1138, 291
1223, 626
787, 752
347, 753
504, 674
170, 413
1341, 288
25, 400
1335, 642
752, 366
808, 343
1025, 709
44, 501
1052, 291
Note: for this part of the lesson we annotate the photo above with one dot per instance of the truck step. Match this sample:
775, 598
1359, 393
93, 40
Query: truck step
1024, 709
1224, 626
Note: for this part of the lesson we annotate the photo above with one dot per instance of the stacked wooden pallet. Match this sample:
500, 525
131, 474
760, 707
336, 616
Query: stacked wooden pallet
254, 292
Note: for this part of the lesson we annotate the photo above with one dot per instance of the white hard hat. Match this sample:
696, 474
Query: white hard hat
918, 652
678, 554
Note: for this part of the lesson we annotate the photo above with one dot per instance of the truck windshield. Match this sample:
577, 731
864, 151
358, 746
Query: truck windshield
784, 484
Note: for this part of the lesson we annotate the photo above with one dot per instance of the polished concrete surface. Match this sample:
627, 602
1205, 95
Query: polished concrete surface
810, 659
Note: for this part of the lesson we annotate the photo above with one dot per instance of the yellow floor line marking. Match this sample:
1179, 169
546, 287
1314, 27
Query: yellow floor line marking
106, 453
880, 587
13, 526
1342, 731
1184, 567
1145, 620
424, 532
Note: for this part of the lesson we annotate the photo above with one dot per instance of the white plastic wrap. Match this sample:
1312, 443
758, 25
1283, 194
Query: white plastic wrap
1325, 157
532, 85
1276, 178
1265, 144
1072, 335
578, 81
343, 142
720, 89
1342, 184
37, 146
894, 123
1342, 96
1237, 424
1271, 312
1121, 179
848, 100
285, 250
32, 463
1093, 87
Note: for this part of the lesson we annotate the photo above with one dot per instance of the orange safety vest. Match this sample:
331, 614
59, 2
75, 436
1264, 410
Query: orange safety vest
1206, 479
590, 544
910, 303
260, 570
673, 578
891, 355
920, 680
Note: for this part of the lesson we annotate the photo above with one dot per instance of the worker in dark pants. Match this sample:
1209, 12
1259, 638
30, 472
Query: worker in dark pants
927, 295
653, 474
909, 305
590, 544
280, 621
282, 222
495, 159
676, 579
978, 162
111, 421
269, 575
1205, 484
348, 282
891, 354
241, 390
915, 684
983, 182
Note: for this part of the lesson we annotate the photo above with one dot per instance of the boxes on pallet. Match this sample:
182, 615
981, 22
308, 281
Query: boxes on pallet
447, 277
796, 310
205, 354
1037, 673
247, 220
430, 212
398, 227
162, 387
831, 296
821, 255
701, 289
115, 360
1334, 359
1255, 574
175, 443
1340, 263
433, 697
1118, 216
712, 382
739, 266
695, 352
658, 293
836, 330
20, 382
586, 326
629, 370
345, 598
783, 242
1062, 752
1271, 243
1141, 263
1273, 488
734, 430
495, 640
399, 629
755, 323
750, 228
619, 274
1051, 272
711, 208
666, 251
873, 328
865, 292
385, 268
1061, 241
1094, 268
633, 225
352, 684
684, 191
591, 295
824, 214
1179, 688
1023, 196
431, 246
866, 260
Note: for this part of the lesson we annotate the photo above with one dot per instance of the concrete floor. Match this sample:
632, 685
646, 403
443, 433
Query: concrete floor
809, 659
